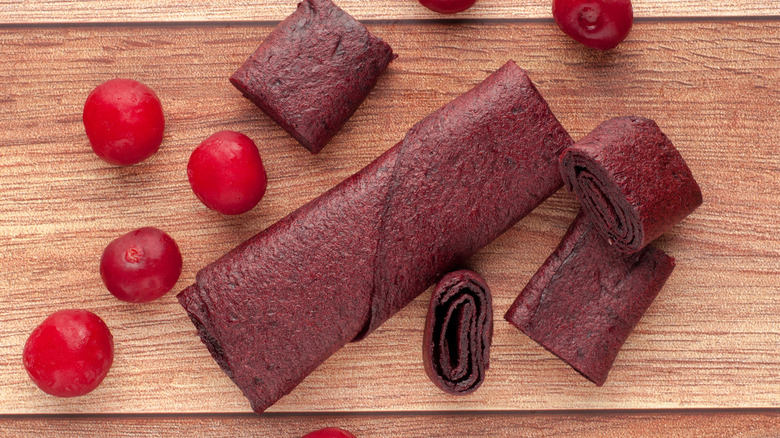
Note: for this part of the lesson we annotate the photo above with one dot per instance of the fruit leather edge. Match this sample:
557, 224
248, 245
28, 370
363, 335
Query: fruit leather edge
192, 300
587, 297
312, 72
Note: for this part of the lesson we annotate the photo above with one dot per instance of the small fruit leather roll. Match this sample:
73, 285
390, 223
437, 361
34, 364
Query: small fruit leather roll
583, 302
313, 71
458, 333
274, 308
631, 181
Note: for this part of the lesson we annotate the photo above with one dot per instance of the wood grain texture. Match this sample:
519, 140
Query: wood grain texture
712, 424
711, 339
118, 11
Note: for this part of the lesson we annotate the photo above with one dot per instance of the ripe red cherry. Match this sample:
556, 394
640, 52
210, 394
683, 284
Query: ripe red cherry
448, 6
69, 354
141, 266
226, 173
599, 24
330, 432
124, 121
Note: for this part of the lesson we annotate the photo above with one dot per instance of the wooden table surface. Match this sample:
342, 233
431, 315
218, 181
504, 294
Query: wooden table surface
704, 360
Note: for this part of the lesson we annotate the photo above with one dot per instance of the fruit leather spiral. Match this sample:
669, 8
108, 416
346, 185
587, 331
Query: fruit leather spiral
631, 181
458, 333
583, 302
313, 71
281, 303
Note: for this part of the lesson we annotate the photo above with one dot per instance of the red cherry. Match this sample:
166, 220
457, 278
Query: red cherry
124, 121
448, 6
330, 432
226, 173
599, 24
70, 353
141, 266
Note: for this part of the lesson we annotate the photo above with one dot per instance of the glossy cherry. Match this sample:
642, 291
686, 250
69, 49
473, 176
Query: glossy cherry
124, 121
599, 24
226, 173
329, 432
141, 266
448, 6
70, 353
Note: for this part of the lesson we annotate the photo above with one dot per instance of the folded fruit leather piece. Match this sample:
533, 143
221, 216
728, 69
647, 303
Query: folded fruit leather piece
458, 332
271, 310
313, 71
583, 302
631, 181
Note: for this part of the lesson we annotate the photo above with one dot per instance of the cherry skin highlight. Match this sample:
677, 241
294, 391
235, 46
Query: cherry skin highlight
124, 121
447, 6
227, 174
69, 354
141, 266
599, 24
329, 432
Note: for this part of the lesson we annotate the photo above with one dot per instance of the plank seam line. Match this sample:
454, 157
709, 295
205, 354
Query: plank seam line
374, 21
290, 414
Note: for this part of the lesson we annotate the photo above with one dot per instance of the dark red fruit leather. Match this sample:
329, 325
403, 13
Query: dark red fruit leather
458, 333
281, 303
587, 297
631, 181
313, 71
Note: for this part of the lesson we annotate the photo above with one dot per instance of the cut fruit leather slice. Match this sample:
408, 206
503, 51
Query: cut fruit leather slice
313, 71
631, 181
583, 302
458, 333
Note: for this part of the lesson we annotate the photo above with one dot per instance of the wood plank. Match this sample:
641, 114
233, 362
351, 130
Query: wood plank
710, 340
713, 424
118, 11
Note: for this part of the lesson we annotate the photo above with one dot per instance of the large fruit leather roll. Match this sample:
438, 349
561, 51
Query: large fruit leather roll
586, 298
274, 308
631, 180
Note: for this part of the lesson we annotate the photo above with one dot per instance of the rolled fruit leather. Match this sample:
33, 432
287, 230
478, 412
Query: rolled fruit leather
631, 181
585, 300
458, 333
274, 308
313, 71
